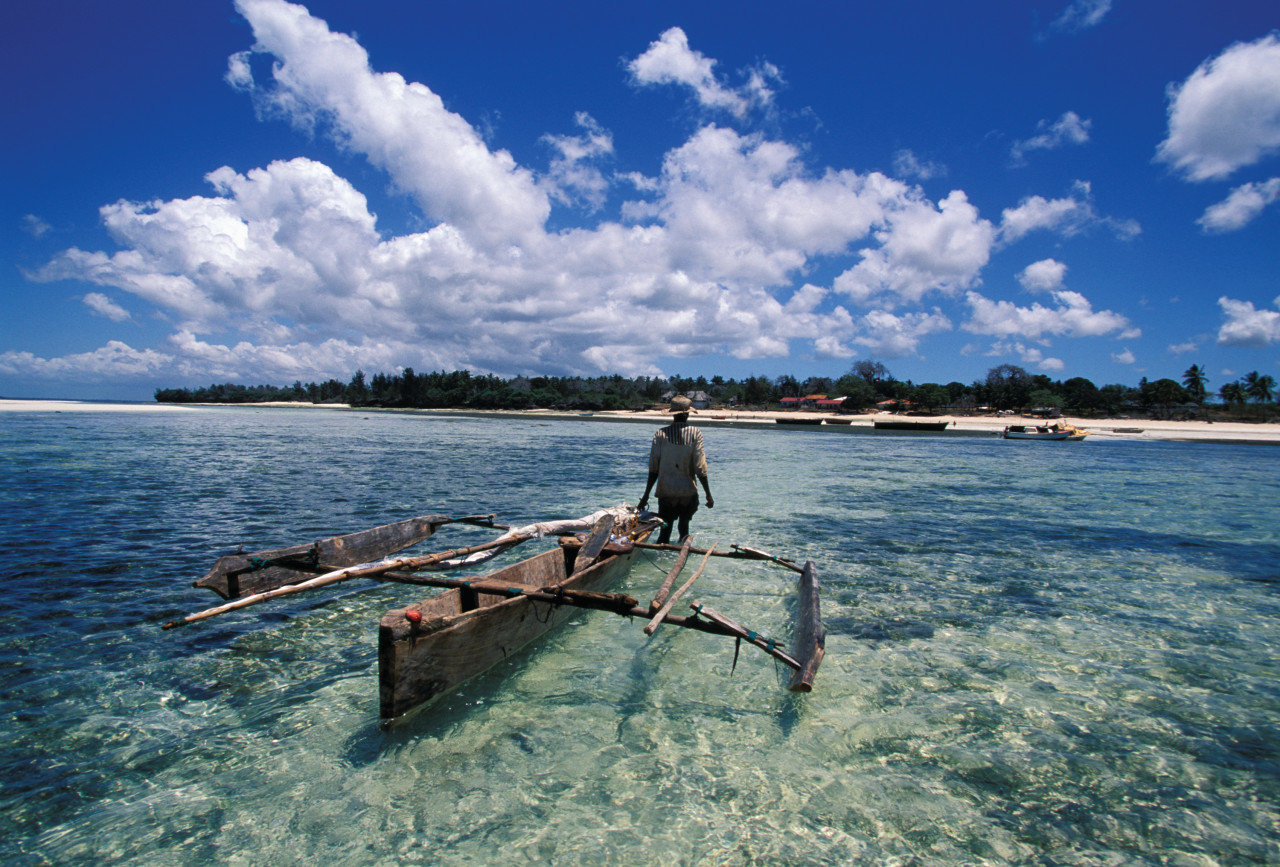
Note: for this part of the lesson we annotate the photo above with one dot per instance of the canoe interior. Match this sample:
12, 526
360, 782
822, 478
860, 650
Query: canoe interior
462, 633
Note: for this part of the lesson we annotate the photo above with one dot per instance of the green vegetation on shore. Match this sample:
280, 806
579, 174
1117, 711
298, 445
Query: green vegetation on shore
866, 385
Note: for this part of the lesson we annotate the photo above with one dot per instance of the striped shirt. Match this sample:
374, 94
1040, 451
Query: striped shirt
676, 458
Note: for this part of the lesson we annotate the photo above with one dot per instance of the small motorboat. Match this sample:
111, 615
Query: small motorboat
1061, 431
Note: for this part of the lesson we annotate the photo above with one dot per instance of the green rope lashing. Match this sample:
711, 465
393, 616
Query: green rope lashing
769, 643
256, 563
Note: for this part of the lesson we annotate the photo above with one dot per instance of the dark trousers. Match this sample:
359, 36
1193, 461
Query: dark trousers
675, 511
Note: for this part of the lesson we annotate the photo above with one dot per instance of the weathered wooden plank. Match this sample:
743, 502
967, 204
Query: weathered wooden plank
238, 575
595, 543
666, 607
809, 645
667, 583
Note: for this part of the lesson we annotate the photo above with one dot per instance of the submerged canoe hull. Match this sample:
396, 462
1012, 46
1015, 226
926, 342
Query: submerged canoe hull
461, 633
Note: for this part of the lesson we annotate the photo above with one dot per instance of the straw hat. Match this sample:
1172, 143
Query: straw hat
680, 404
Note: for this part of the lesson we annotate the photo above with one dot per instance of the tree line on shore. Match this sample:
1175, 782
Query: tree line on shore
867, 385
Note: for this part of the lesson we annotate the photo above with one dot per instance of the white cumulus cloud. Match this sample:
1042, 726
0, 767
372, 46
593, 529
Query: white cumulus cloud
103, 306
1067, 216
402, 127
1226, 115
281, 272
1240, 208
573, 179
923, 248
1073, 316
116, 360
1045, 275
1245, 325
888, 335
670, 60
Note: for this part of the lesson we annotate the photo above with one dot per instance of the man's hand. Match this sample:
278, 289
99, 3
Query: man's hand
711, 504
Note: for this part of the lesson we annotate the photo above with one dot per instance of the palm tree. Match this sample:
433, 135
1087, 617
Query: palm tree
1260, 387
1233, 393
1193, 380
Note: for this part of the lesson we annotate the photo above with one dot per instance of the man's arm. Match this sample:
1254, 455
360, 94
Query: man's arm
706, 486
700, 466
648, 486
655, 464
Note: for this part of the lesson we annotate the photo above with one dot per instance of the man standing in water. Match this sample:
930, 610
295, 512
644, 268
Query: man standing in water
676, 458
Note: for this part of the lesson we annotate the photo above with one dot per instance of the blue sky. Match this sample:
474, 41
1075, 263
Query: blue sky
263, 192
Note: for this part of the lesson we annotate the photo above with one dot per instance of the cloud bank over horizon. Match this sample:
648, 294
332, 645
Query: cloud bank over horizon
738, 246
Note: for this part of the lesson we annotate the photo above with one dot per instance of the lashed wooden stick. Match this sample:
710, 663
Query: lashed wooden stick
740, 552
663, 611
403, 564
671, 576
740, 631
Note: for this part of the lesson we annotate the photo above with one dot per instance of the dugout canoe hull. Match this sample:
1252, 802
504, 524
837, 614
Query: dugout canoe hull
462, 633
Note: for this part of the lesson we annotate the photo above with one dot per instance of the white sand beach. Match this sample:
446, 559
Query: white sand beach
8, 405
1111, 428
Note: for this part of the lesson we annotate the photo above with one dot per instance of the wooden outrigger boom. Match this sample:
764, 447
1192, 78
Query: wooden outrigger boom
429, 647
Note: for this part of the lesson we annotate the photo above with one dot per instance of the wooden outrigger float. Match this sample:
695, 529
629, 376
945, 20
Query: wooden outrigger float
428, 648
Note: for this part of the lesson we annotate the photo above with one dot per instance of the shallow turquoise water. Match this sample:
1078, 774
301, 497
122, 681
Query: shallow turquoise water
1037, 653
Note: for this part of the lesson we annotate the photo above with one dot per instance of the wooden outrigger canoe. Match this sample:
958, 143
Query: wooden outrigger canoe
429, 647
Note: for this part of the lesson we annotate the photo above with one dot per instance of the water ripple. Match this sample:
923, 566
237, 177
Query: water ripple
1034, 655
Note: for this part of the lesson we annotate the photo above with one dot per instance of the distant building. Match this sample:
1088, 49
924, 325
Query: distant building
699, 399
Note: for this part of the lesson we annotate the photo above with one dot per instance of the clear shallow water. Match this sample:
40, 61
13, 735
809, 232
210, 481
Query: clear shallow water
1036, 654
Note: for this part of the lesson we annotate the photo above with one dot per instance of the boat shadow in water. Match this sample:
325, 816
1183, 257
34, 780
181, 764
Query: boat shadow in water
635, 692
638, 701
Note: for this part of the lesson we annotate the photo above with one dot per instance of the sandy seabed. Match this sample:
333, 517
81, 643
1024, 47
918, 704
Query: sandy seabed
979, 425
